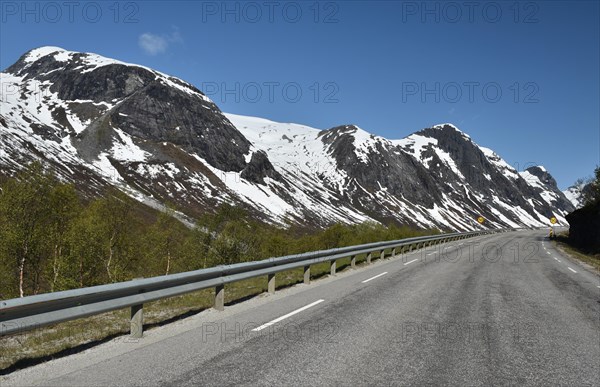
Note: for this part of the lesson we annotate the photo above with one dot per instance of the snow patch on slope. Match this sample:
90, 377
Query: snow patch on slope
506, 169
574, 195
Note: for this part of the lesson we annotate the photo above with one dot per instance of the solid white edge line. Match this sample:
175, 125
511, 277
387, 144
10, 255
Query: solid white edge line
278, 319
372, 278
571, 269
409, 262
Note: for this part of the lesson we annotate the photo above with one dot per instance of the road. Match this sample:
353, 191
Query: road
499, 310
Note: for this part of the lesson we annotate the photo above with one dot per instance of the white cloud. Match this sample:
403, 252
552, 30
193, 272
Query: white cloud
153, 44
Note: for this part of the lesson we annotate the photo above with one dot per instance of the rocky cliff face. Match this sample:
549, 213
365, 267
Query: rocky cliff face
544, 184
577, 193
103, 122
104, 95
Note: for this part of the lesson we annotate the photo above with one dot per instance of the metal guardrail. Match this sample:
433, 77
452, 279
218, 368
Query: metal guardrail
28, 313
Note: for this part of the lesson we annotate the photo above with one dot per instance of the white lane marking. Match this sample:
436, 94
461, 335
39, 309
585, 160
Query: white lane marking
372, 278
430, 254
260, 328
409, 262
572, 270
547, 252
598, 286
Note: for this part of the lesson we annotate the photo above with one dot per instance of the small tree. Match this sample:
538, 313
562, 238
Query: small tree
163, 241
85, 266
102, 237
592, 196
24, 213
65, 207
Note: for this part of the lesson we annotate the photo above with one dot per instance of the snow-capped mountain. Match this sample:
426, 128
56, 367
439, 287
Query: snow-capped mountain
101, 122
577, 192
573, 194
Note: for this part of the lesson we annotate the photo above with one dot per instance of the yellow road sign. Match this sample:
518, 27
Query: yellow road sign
481, 219
553, 220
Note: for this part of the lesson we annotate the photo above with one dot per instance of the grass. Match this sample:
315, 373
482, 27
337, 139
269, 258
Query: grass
591, 259
40, 345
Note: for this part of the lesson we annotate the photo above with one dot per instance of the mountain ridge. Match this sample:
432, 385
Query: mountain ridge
160, 139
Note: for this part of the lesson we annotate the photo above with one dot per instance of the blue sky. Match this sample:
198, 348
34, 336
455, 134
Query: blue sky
522, 78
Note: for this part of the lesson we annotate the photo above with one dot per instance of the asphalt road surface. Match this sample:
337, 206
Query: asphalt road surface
499, 310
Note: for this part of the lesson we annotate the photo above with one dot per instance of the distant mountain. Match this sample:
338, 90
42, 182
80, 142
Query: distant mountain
102, 122
577, 192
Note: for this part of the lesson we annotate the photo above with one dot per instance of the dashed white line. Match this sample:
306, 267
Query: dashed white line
430, 254
571, 269
372, 278
409, 262
260, 328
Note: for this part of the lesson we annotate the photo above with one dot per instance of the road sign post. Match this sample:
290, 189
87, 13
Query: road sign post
553, 221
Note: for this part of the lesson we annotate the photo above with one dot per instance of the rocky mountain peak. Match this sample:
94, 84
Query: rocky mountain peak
328, 136
92, 98
542, 174
260, 168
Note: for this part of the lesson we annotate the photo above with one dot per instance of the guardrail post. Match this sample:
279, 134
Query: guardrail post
393, 252
382, 255
353, 261
271, 284
307, 274
332, 267
369, 255
220, 297
137, 321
